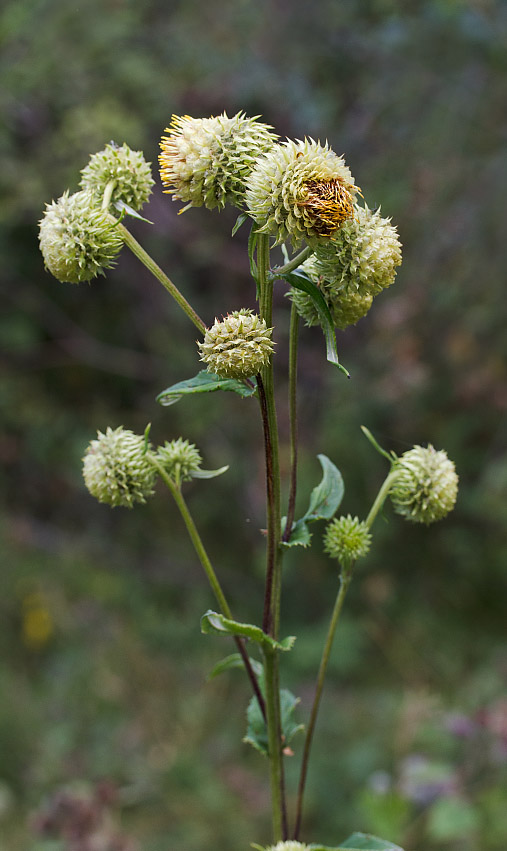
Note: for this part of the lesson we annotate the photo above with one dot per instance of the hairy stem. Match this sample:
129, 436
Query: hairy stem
275, 746
296, 261
293, 355
211, 575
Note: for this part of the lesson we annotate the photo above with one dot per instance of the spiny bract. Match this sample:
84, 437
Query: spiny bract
206, 161
347, 539
426, 486
238, 346
128, 170
179, 458
116, 469
77, 239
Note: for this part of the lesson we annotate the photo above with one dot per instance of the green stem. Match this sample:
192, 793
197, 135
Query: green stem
274, 745
345, 580
210, 573
381, 497
166, 282
296, 261
108, 194
293, 356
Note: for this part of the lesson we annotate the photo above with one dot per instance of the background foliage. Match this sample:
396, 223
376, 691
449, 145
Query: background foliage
102, 665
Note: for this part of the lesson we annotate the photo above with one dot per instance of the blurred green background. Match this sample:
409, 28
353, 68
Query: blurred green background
105, 711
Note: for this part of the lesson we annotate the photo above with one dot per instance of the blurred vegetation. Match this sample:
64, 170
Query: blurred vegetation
102, 664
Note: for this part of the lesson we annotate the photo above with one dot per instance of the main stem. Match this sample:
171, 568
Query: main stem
271, 619
293, 356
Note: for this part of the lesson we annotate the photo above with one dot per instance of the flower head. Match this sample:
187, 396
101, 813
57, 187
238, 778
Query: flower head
289, 845
128, 170
179, 458
426, 486
238, 346
346, 306
206, 161
300, 190
347, 539
77, 239
116, 469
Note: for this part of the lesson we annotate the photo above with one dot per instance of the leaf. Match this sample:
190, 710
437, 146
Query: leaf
208, 474
124, 208
252, 244
302, 282
239, 221
300, 535
367, 842
204, 382
256, 734
325, 499
234, 661
216, 624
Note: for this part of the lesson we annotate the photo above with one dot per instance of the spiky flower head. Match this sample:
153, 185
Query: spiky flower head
238, 346
77, 239
206, 161
300, 191
179, 458
116, 468
346, 306
347, 539
127, 169
289, 845
426, 486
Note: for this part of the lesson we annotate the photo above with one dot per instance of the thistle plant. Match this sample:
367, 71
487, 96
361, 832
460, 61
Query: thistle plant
300, 195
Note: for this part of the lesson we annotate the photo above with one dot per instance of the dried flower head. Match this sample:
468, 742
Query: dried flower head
206, 161
77, 239
238, 346
426, 486
300, 191
180, 459
347, 539
116, 468
128, 170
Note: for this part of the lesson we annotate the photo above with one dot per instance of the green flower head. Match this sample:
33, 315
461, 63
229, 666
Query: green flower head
347, 539
126, 169
300, 191
238, 346
179, 458
426, 486
206, 161
77, 239
116, 469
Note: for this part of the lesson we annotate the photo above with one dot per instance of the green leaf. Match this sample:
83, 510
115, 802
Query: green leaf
234, 661
217, 624
325, 499
302, 282
204, 382
300, 535
124, 208
239, 221
256, 734
367, 842
252, 244
208, 474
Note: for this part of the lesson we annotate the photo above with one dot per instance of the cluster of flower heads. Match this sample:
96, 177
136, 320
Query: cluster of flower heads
78, 237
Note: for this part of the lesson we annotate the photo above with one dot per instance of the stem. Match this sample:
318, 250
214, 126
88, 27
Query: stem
345, 580
270, 509
274, 746
211, 575
166, 282
296, 261
381, 497
108, 194
293, 355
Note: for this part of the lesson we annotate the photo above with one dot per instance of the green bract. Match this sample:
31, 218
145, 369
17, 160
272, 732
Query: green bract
116, 468
347, 539
238, 346
426, 486
179, 458
129, 171
300, 191
77, 239
206, 161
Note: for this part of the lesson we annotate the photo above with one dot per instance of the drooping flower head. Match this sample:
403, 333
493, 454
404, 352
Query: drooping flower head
300, 191
116, 469
206, 161
77, 239
347, 539
179, 458
237, 346
426, 486
128, 170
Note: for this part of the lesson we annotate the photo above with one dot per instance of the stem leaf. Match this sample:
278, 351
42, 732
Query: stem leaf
217, 624
252, 244
256, 734
234, 661
360, 842
302, 282
124, 208
209, 474
204, 382
239, 221
300, 535
325, 499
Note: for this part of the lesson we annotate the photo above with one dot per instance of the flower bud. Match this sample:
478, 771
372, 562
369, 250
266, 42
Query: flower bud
116, 469
300, 190
128, 170
426, 486
179, 458
238, 346
206, 161
347, 539
77, 239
